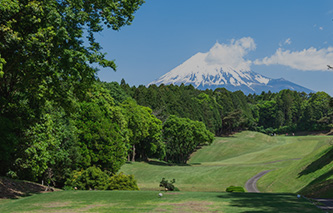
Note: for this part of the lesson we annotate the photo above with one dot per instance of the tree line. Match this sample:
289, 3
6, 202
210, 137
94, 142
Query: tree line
224, 112
104, 129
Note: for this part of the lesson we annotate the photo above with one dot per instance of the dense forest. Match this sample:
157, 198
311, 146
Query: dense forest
224, 112
60, 124
103, 129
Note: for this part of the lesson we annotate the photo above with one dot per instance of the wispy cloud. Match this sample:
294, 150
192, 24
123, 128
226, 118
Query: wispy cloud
287, 41
232, 54
319, 27
311, 59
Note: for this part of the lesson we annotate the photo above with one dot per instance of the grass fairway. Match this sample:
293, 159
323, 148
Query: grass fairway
234, 160
315, 169
299, 164
148, 201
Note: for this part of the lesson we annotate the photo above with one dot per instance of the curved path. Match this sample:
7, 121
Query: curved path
251, 184
328, 204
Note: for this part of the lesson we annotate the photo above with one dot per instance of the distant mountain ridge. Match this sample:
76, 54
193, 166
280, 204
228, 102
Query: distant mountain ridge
204, 75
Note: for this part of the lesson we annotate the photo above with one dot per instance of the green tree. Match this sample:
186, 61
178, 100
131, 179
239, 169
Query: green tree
320, 110
43, 55
50, 149
144, 130
268, 113
183, 136
102, 131
43, 58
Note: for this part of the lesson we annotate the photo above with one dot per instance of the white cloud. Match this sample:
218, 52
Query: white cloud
287, 41
321, 28
311, 59
232, 54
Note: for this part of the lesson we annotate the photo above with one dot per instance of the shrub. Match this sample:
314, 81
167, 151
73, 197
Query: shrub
235, 189
91, 178
122, 182
168, 185
68, 188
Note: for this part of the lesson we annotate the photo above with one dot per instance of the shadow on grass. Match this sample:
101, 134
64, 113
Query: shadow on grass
320, 187
163, 163
319, 163
266, 202
13, 189
158, 163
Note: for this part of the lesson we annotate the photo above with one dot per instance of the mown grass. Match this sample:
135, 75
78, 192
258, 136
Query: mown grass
313, 175
234, 160
149, 201
195, 177
234, 146
299, 164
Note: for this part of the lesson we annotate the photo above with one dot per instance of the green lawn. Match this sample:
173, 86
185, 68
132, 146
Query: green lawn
149, 201
299, 165
234, 160
300, 176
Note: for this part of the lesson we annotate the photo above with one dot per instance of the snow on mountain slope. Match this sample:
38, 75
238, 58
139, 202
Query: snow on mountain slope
203, 74
198, 72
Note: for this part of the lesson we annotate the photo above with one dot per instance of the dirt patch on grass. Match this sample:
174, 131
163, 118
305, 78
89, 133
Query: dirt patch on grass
15, 188
221, 141
55, 204
190, 206
62, 207
90, 207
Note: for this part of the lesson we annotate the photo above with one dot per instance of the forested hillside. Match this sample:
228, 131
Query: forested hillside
111, 124
224, 112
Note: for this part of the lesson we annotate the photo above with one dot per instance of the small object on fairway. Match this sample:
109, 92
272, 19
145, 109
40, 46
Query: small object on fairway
160, 194
298, 196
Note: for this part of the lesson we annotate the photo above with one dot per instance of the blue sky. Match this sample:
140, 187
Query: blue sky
293, 39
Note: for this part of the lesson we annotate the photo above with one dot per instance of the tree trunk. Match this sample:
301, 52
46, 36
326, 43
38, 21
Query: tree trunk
133, 153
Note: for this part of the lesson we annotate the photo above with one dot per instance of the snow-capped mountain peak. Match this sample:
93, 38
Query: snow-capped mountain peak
198, 72
223, 68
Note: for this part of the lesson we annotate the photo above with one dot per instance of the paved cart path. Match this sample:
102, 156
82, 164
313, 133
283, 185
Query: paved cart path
251, 184
328, 204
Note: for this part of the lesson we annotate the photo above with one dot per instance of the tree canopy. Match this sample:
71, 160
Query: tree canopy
42, 52
47, 56
183, 136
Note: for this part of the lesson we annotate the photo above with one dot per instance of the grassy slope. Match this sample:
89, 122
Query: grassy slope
230, 147
233, 160
313, 175
229, 161
148, 201
205, 174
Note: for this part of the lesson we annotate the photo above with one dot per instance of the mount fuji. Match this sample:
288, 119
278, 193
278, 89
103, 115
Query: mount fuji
203, 73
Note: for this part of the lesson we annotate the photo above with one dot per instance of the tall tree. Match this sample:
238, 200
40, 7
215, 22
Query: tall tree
102, 131
144, 130
43, 58
42, 52
183, 136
